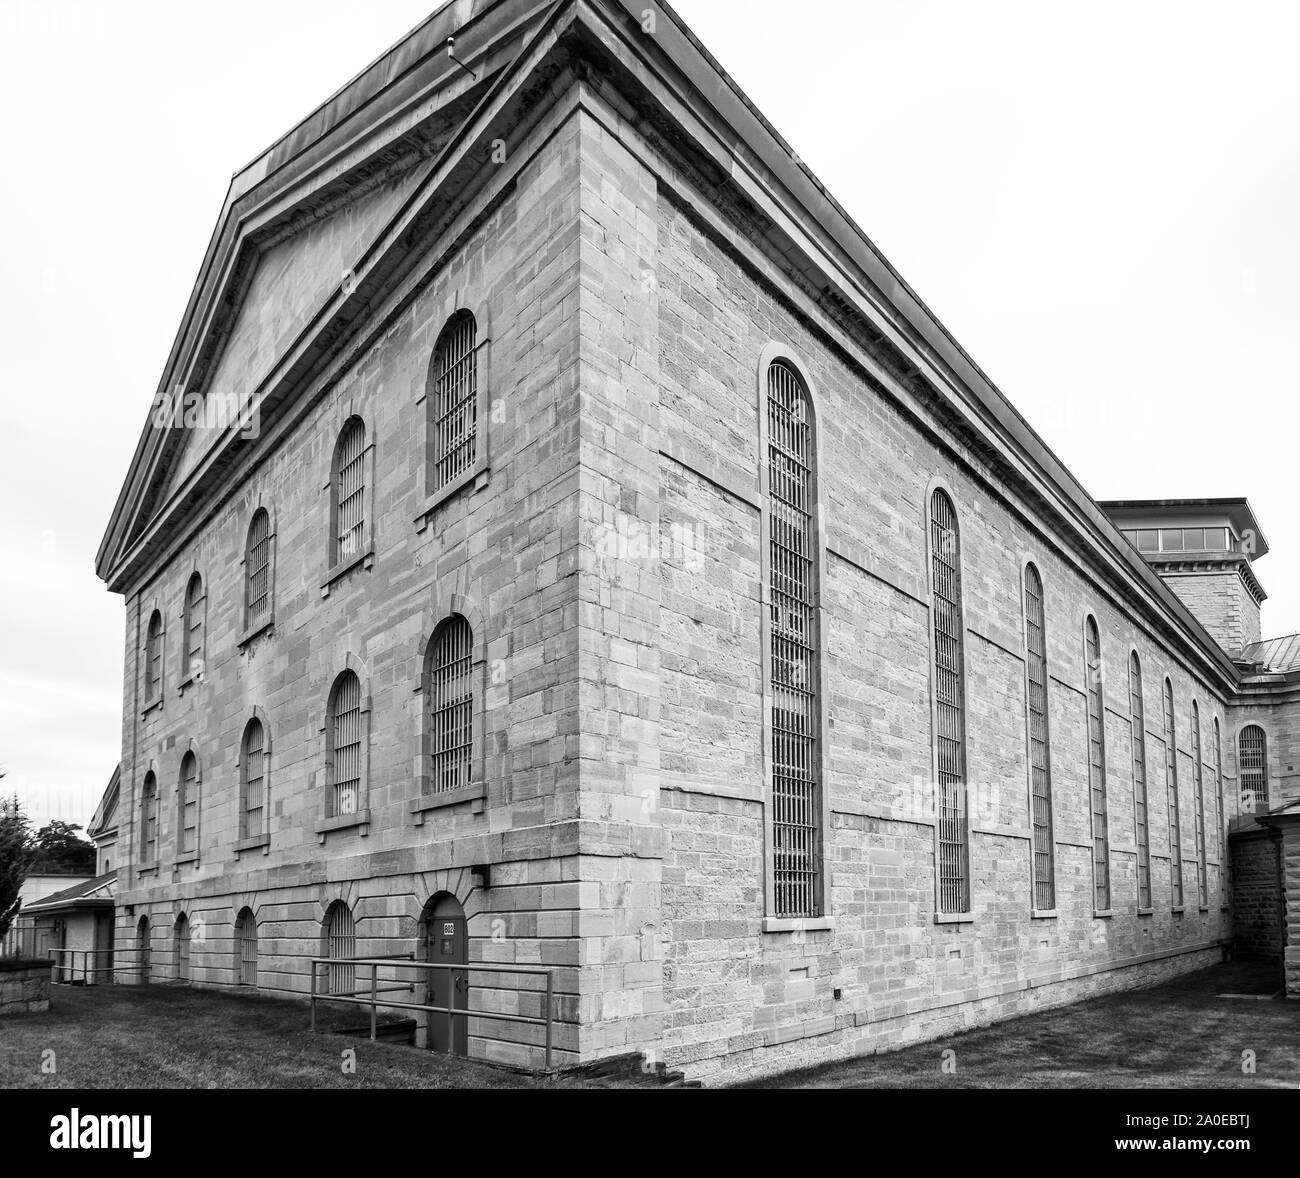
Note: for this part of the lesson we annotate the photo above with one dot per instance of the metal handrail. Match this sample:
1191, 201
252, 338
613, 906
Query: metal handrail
409, 962
71, 971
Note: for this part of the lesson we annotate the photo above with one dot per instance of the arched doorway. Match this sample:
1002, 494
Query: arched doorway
142, 949
182, 948
444, 939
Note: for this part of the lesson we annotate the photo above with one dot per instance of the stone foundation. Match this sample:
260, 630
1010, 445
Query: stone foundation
24, 986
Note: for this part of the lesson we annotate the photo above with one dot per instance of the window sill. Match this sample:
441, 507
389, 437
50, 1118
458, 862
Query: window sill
255, 629
253, 843
188, 857
798, 924
154, 705
954, 918
475, 792
1146, 911
1178, 909
366, 556
360, 819
147, 868
1102, 913
1043, 914
1203, 908
477, 475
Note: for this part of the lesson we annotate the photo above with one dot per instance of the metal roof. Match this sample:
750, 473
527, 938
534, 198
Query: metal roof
1275, 654
91, 893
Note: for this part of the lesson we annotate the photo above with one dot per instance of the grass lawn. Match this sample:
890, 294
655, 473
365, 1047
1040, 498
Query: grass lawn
1178, 1035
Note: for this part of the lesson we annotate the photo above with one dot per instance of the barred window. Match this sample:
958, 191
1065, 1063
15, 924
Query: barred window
451, 701
246, 948
794, 656
153, 657
340, 945
257, 566
1171, 784
252, 781
1252, 769
345, 745
1218, 791
949, 705
1097, 766
193, 626
144, 949
149, 820
349, 485
1040, 761
453, 400
1141, 811
188, 805
182, 948
1198, 790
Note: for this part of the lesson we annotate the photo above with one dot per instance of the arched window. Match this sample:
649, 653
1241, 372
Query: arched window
451, 706
794, 664
257, 569
453, 401
1040, 758
1198, 791
153, 658
192, 627
349, 492
1252, 769
149, 821
252, 781
1171, 785
1097, 766
345, 746
188, 806
340, 944
1218, 793
143, 950
182, 932
949, 690
1141, 811
246, 948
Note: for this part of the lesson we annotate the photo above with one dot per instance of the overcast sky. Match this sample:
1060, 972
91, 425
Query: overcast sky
1101, 201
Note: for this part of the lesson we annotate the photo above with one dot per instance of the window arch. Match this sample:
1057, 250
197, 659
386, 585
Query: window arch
257, 570
182, 935
143, 950
792, 624
246, 948
1171, 785
187, 806
1141, 809
949, 690
153, 658
252, 781
1097, 765
1252, 769
348, 494
149, 820
340, 943
1040, 757
1198, 792
452, 402
346, 735
450, 693
193, 626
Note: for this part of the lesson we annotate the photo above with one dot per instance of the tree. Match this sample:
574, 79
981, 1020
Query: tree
60, 850
15, 859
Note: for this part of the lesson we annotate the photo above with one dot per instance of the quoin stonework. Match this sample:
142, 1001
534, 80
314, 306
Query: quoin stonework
602, 561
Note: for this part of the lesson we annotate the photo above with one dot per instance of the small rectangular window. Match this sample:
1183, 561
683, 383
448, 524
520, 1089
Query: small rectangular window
1194, 539
1216, 539
1171, 539
1148, 540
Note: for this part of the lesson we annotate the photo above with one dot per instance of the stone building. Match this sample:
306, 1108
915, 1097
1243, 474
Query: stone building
559, 527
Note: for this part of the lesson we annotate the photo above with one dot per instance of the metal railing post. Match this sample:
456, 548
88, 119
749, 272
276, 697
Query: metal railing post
374, 974
550, 1006
313, 995
451, 1007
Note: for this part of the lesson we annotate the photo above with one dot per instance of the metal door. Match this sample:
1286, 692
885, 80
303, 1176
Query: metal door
103, 948
447, 943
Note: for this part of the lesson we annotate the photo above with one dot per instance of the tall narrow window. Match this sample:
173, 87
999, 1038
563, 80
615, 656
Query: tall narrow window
1141, 812
144, 950
1198, 790
1252, 769
453, 401
1097, 766
252, 782
949, 705
149, 820
1040, 765
451, 703
340, 945
193, 625
188, 806
1171, 784
246, 947
257, 568
349, 489
153, 658
1218, 793
182, 948
345, 745
794, 656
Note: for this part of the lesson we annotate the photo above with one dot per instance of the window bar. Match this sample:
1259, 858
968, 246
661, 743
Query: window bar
351, 491
254, 776
1097, 767
342, 938
1141, 814
258, 564
347, 745
454, 401
1252, 770
451, 707
1171, 783
1202, 867
1040, 767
